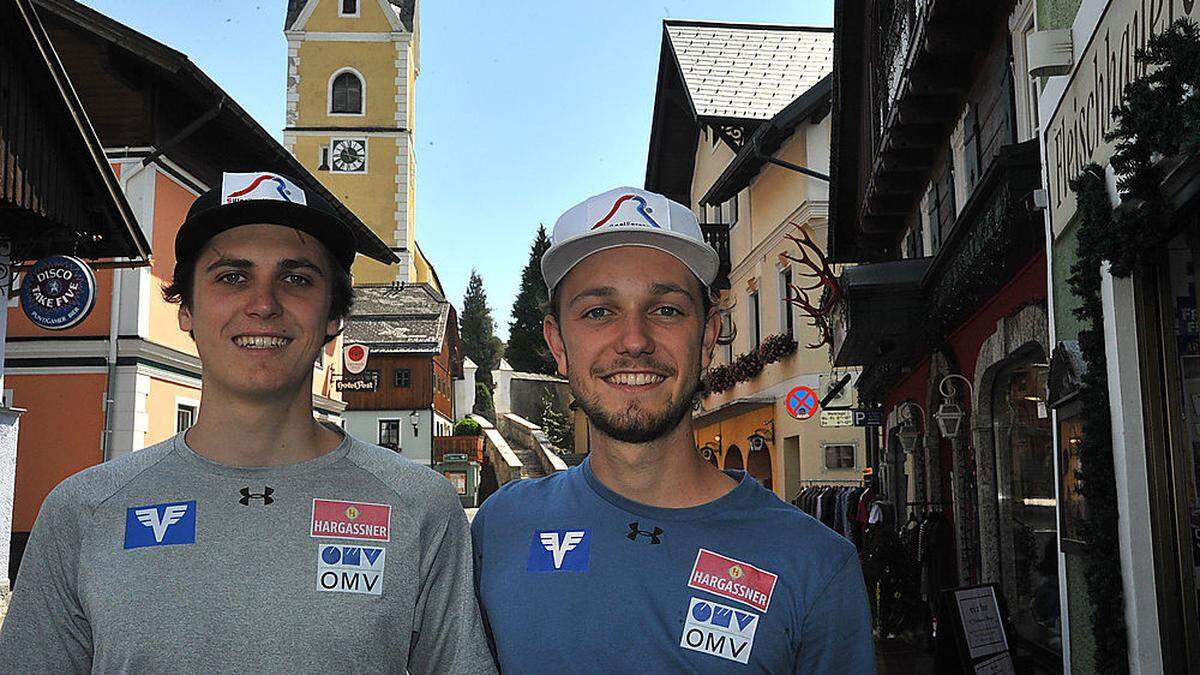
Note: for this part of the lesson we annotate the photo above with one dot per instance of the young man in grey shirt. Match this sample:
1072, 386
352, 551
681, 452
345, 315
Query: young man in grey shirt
258, 540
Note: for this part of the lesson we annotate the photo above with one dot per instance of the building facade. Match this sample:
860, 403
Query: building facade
404, 397
934, 197
737, 108
352, 72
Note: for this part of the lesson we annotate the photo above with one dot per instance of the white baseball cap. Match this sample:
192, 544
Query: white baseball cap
627, 217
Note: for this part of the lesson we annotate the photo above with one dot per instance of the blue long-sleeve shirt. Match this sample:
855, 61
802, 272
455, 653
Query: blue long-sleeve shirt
575, 578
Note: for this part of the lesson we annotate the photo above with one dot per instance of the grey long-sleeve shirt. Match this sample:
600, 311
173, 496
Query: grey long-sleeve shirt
164, 561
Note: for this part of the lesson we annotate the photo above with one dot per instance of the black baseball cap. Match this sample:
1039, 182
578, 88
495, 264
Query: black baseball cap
264, 197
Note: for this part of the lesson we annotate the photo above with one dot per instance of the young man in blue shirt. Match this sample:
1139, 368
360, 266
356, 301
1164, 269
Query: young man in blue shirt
646, 558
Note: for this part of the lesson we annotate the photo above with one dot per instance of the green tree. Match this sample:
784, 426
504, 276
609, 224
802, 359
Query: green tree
527, 351
478, 331
558, 425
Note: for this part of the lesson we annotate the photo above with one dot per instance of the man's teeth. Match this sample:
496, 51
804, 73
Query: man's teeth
260, 341
635, 379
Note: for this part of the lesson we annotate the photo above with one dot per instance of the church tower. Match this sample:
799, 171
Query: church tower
352, 70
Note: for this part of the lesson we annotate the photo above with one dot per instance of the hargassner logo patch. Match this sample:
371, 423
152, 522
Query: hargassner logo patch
236, 187
351, 520
560, 551
160, 524
629, 210
350, 569
713, 628
733, 579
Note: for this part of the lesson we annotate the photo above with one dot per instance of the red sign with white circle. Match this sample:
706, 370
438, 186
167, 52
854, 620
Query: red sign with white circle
355, 357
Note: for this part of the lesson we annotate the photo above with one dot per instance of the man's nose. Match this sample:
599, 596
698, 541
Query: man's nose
263, 302
635, 338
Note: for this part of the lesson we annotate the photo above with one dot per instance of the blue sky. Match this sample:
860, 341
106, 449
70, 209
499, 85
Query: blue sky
523, 108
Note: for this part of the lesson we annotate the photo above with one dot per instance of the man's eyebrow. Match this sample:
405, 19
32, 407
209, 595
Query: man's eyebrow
659, 289
594, 292
225, 261
300, 263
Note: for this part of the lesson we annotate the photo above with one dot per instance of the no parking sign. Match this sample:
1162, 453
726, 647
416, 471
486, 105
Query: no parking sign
802, 403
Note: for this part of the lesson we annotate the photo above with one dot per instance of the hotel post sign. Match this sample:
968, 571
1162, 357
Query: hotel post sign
1103, 67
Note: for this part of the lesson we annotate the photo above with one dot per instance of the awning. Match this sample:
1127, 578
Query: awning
881, 304
58, 193
731, 409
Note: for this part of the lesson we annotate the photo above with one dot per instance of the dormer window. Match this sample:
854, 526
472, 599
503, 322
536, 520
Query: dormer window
348, 8
346, 94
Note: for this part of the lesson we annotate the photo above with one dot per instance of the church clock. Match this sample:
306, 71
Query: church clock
349, 155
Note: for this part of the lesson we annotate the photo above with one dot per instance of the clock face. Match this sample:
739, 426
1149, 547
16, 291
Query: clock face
349, 155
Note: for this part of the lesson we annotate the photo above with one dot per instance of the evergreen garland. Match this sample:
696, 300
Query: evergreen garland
1097, 482
1159, 116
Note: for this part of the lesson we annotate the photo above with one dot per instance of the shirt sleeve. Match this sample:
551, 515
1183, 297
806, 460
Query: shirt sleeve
447, 629
836, 633
47, 630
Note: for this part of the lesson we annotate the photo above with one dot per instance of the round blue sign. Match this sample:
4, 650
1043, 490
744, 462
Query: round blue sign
58, 292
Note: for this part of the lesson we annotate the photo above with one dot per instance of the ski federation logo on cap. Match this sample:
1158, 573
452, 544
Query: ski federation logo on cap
237, 187
631, 210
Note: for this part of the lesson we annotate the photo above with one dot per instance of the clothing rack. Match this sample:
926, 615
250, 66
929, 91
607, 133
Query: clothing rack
926, 503
831, 481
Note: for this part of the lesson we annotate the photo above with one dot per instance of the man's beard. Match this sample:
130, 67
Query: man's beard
633, 424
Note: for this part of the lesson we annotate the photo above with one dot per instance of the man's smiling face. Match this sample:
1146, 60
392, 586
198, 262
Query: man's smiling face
260, 309
632, 339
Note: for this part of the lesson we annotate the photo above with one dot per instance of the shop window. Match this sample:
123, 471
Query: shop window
839, 456
1028, 519
389, 434
403, 378
185, 417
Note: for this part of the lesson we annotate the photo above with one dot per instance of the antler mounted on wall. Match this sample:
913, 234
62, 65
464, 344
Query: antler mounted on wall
818, 276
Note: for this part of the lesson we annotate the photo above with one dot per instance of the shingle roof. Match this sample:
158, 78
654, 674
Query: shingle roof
395, 319
748, 71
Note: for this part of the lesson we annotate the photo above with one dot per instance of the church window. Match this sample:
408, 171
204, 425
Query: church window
346, 94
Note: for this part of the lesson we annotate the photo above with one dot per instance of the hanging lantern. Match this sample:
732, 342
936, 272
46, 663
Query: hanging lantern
908, 436
949, 418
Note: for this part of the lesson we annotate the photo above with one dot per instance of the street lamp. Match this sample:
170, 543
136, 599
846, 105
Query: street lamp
908, 433
949, 414
414, 418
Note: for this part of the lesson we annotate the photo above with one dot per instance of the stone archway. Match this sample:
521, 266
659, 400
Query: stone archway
1015, 336
733, 458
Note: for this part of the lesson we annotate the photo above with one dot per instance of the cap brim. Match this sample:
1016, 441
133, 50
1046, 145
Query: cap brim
329, 230
561, 258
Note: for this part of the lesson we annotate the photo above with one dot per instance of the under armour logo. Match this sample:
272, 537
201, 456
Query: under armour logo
634, 532
265, 496
159, 523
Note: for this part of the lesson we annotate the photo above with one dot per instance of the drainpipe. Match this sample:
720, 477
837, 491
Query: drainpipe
114, 321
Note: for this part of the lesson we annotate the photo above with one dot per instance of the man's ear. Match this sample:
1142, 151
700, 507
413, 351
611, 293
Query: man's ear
712, 329
552, 333
185, 319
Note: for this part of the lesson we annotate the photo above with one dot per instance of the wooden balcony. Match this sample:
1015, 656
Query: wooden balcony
717, 236
471, 446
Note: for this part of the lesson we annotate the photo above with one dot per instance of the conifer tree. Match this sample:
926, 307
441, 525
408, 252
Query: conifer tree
527, 351
558, 425
478, 331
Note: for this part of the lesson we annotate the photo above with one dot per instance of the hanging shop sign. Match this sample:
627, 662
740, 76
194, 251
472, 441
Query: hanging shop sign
868, 418
364, 381
802, 403
354, 357
58, 292
1075, 135
837, 418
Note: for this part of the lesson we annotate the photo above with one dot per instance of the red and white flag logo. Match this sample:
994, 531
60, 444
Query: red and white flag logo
733, 579
355, 357
351, 520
